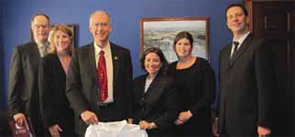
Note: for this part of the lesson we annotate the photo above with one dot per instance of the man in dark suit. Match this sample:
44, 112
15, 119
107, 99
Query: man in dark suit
84, 88
245, 80
23, 77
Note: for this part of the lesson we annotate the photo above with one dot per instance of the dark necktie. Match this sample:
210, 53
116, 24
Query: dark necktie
236, 44
102, 77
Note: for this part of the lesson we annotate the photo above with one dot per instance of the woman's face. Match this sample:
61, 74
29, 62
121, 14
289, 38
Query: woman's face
62, 41
152, 63
183, 48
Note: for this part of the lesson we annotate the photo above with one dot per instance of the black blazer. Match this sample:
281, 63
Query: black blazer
245, 88
23, 83
159, 104
55, 106
82, 84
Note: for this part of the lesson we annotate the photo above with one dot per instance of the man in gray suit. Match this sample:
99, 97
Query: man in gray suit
245, 80
23, 77
85, 89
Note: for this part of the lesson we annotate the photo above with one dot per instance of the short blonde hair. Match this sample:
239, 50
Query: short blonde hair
64, 28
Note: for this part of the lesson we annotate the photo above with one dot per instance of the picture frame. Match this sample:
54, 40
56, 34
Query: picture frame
161, 32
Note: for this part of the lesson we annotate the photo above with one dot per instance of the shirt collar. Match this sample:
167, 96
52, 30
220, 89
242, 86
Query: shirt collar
242, 39
106, 49
40, 44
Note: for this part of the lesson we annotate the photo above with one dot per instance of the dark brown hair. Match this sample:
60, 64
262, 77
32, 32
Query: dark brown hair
236, 5
164, 67
181, 35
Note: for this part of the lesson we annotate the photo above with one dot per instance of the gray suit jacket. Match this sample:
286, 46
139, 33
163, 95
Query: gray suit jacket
23, 84
82, 84
245, 88
23, 78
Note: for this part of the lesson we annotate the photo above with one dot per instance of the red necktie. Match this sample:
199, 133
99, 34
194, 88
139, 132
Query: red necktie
102, 77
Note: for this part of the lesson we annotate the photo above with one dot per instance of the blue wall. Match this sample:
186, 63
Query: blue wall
125, 15
2, 83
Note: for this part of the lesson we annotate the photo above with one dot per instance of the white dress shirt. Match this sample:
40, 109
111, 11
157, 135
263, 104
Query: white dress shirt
148, 82
240, 40
109, 65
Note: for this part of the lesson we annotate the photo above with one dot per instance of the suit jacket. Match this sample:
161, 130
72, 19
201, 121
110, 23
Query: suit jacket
23, 83
82, 84
55, 106
245, 87
159, 103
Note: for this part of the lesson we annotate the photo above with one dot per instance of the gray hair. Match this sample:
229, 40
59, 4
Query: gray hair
99, 11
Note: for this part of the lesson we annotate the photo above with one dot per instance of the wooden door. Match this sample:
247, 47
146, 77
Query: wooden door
274, 21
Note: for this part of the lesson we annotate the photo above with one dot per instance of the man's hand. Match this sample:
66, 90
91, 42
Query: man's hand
130, 120
262, 131
146, 125
215, 128
183, 117
55, 130
20, 119
89, 117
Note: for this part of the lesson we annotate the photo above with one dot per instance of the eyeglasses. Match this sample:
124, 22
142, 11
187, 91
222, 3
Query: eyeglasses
41, 25
100, 24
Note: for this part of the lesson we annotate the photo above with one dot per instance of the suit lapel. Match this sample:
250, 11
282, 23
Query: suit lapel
35, 55
153, 94
226, 57
154, 89
35, 50
115, 58
59, 65
240, 51
141, 86
92, 63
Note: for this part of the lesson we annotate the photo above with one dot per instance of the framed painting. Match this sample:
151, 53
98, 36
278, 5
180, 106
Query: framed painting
161, 32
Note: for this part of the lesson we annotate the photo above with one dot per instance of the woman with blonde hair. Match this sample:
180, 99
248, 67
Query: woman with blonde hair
57, 114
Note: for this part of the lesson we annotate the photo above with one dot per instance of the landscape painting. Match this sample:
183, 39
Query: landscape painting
161, 32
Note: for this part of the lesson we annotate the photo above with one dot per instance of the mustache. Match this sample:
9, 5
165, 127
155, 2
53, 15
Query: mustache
42, 33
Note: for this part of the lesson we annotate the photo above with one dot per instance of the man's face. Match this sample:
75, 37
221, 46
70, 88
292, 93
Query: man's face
40, 28
236, 19
100, 27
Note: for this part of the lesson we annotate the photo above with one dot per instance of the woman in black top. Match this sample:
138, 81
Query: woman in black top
57, 114
196, 89
155, 105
